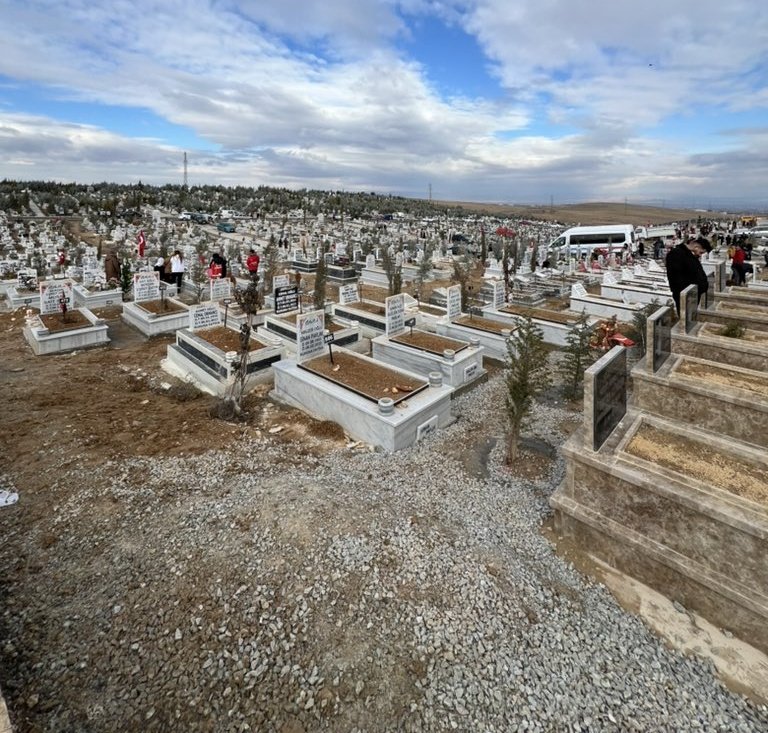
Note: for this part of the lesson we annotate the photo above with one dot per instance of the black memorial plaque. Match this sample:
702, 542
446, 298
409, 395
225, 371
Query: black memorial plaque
286, 299
609, 395
659, 337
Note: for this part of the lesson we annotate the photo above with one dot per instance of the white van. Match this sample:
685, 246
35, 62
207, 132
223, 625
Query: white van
579, 241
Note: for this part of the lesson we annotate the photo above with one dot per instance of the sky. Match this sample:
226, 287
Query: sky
504, 101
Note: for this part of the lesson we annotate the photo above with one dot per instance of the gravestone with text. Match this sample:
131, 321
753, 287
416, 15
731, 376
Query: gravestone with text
605, 396
348, 294
146, 286
53, 293
310, 330
220, 288
498, 294
658, 338
286, 299
205, 315
453, 301
395, 314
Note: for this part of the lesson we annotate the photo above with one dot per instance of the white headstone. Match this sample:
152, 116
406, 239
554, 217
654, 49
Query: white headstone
310, 328
498, 293
220, 288
370, 261
51, 294
578, 291
609, 279
395, 314
205, 315
348, 294
146, 286
280, 281
454, 301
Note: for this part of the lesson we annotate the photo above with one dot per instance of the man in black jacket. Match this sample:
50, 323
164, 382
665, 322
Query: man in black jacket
684, 268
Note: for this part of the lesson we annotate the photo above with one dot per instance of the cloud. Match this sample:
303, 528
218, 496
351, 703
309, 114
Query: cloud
289, 92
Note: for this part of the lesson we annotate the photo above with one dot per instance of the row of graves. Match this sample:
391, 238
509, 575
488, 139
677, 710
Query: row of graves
670, 484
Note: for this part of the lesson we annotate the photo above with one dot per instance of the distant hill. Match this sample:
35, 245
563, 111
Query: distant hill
588, 214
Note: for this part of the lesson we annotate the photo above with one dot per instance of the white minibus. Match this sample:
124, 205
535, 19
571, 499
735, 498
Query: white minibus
580, 241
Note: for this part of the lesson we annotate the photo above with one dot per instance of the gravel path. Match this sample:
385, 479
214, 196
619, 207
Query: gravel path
272, 588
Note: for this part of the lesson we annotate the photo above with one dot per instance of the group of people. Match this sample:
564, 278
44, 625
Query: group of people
172, 270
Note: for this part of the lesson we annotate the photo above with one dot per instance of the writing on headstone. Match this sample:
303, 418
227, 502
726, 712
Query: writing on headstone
348, 294
607, 378
426, 428
370, 261
395, 314
286, 299
310, 328
146, 286
659, 338
280, 281
220, 288
578, 291
470, 372
454, 301
499, 296
205, 315
51, 294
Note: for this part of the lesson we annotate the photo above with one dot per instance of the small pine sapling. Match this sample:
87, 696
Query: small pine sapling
577, 356
526, 373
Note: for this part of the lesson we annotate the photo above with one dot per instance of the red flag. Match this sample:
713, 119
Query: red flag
142, 243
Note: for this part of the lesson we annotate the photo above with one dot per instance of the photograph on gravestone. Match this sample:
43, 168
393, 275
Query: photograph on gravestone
395, 314
310, 331
658, 338
454, 301
205, 315
609, 394
286, 299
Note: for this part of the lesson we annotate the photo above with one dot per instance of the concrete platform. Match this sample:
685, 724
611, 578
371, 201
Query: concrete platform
193, 359
705, 342
688, 538
151, 324
726, 402
411, 420
464, 368
44, 342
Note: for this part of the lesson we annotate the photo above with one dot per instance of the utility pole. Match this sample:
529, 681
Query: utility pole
430, 193
185, 170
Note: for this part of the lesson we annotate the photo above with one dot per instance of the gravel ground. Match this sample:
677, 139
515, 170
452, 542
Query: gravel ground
266, 587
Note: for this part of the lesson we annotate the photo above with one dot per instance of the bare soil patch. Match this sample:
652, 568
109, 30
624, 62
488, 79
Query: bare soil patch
700, 461
542, 314
369, 379
161, 307
426, 341
57, 322
483, 324
226, 339
728, 378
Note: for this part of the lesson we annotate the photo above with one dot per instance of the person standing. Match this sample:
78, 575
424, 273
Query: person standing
738, 268
252, 263
159, 266
112, 266
684, 268
177, 269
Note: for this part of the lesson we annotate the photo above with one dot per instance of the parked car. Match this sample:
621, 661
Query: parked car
226, 226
